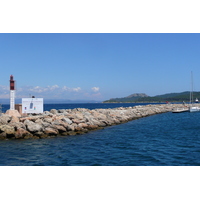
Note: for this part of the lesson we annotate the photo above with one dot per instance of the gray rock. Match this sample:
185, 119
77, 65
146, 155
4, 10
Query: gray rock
67, 120
53, 111
17, 125
47, 113
33, 127
7, 129
48, 119
4, 119
70, 128
61, 111
3, 135
21, 133
60, 128
50, 131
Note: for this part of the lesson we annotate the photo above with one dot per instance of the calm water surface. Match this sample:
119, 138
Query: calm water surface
165, 139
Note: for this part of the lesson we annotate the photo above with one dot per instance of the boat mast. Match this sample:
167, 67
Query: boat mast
191, 92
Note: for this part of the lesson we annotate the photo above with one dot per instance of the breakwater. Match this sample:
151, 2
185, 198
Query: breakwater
73, 121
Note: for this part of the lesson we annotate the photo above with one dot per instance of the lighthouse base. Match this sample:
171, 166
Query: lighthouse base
13, 113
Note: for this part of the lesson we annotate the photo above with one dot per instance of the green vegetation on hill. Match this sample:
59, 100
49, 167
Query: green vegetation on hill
171, 97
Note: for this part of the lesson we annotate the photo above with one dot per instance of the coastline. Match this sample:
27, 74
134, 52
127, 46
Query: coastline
74, 121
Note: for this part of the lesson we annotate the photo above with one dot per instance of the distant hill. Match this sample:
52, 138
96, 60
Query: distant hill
141, 97
130, 98
136, 95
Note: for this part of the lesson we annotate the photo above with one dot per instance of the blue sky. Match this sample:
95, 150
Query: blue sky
98, 66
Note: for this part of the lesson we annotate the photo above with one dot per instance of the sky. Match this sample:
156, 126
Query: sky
98, 66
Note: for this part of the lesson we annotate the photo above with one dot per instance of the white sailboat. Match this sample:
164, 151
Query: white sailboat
192, 107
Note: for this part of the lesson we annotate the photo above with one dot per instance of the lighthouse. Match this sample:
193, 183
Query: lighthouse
12, 93
12, 111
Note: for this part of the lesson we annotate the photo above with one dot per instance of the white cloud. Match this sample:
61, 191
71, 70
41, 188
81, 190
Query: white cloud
4, 88
76, 89
95, 89
50, 92
65, 88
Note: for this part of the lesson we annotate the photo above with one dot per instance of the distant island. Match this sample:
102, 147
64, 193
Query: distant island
143, 98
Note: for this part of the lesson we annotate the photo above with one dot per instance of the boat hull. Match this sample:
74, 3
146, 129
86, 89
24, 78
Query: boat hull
180, 110
194, 109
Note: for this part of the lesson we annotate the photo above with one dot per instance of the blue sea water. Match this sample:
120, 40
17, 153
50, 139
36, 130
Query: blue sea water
166, 139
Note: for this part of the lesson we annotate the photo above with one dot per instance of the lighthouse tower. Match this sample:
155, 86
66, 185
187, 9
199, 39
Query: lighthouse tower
12, 112
12, 93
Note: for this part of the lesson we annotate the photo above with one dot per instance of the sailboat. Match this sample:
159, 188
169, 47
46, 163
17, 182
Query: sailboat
192, 107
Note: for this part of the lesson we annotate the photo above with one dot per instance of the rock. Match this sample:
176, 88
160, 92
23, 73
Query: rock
83, 125
92, 127
30, 118
39, 134
46, 125
72, 133
50, 131
79, 116
39, 121
47, 113
61, 111
67, 120
28, 136
102, 124
3, 135
78, 128
57, 122
53, 111
70, 128
60, 129
14, 113
15, 119
21, 133
48, 119
33, 127
17, 125
4, 119
77, 121
7, 129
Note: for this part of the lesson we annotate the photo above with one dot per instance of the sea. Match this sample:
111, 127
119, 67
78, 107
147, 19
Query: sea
168, 139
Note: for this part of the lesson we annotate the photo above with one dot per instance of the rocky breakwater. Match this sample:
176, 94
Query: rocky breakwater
72, 121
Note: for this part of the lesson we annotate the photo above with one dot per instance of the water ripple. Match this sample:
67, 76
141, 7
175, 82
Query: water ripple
165, 139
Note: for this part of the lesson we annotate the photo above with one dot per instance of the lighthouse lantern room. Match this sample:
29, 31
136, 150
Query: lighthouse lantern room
12, 93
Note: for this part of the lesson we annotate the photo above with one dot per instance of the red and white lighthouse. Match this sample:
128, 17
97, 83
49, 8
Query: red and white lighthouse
12, 112
12, 93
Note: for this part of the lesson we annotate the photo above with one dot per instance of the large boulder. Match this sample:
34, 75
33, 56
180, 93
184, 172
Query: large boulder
83, 125
8, 130
70, 128
53, 111
33, 127
67, 120
48, 119
13, 113
17, 125
4, 119
47, 113
60, 128
21, 133
14, 119
3, 136
51, 131
28, 136
60, 123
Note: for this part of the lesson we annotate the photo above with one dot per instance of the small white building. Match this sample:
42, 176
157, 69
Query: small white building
32, 105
